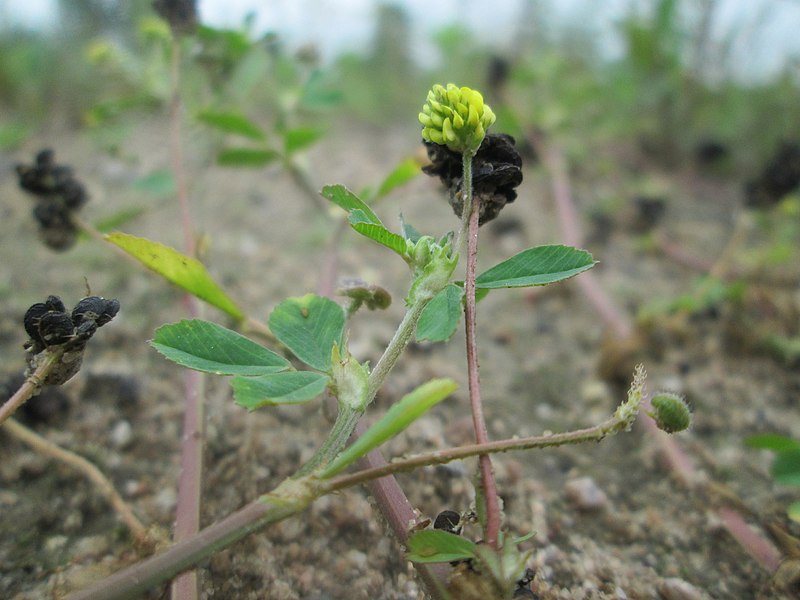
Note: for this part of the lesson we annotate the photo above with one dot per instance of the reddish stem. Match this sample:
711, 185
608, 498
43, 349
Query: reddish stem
492, 525
400, 516
187, 511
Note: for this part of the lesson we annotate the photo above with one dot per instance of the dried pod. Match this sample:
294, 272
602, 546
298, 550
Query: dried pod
56, 328
448, 520
92, 312
31, 321
496, 172
88, 309
35, 313
59, 195
180, 14
86, 330
374, 297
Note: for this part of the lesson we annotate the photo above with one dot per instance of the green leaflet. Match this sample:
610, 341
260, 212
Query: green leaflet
205, 346
536, 266
403, 173
344, 198
184, 271
309, 326
441, 317
359, 221
288, 387
397, 418
231, 122
435, 545
245, 157
300, 138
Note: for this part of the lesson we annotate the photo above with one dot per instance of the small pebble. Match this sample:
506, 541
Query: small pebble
93, 546
585, 493
358, 559
55, 543
121, 434
674, 588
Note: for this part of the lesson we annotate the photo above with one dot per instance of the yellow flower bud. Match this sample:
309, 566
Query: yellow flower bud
456, 117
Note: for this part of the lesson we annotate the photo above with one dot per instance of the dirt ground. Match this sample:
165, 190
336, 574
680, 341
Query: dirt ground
610, 521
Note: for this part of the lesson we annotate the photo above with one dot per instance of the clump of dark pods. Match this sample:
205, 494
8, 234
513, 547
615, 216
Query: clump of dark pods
496, 173
180, 14
49, 325
780, 177
58, 196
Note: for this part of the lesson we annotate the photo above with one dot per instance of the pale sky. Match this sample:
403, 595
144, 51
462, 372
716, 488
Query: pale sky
765, 31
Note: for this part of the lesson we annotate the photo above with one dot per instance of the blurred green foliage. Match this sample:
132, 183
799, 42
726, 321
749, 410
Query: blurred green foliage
672, 88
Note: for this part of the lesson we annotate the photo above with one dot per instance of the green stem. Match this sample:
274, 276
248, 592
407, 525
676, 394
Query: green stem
595, 433
343, 428
395, 348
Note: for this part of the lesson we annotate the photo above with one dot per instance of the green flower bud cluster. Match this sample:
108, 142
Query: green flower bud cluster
456, 117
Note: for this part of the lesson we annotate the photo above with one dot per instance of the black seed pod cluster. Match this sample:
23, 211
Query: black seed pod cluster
180, 14
496, 172
780, 177
49, 324
58, 195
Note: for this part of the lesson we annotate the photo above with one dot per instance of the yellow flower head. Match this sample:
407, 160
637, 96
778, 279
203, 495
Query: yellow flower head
456, 117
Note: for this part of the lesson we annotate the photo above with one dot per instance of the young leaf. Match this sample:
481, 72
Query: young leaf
299, 138
231, 122
435, 545
205, 346
794, 512
359, 221
245, 157
786, 467
344, 198
159, 184
536, 266
309, 326
410, 232
772, 441
288, 387
119, 218
403, 173
397, 418
318, 95
441, 317
184, 271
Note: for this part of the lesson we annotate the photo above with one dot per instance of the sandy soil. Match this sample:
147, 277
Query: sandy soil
610, 521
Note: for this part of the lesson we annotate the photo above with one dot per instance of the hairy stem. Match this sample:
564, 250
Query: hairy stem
395, 348
293, 496
492, 525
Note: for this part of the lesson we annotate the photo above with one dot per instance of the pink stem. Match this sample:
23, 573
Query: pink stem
400, 516
492, 526
187, 510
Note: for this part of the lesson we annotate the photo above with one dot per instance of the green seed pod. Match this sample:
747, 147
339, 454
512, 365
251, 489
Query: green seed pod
456, 117
670, 412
